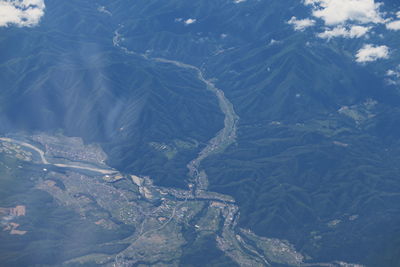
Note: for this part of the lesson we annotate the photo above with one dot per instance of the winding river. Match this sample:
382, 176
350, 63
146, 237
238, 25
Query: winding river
225, 137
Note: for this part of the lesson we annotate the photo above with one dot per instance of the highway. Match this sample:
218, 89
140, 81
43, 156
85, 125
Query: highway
39, 151
60, 165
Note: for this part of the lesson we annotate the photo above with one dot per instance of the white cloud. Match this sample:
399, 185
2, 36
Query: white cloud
104, 10
369, 53
239, 1
347, 18
335, 12
393, 76
341, 31
273, 42
22, 13
301, 24
393, 25
189, 21
393, 73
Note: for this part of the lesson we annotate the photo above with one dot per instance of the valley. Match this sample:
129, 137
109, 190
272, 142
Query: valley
159, 215
197, 133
